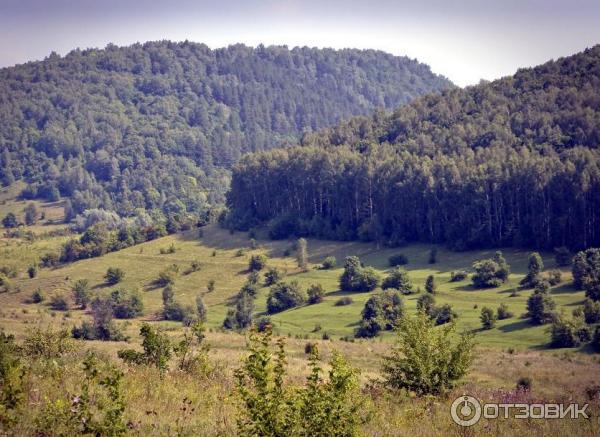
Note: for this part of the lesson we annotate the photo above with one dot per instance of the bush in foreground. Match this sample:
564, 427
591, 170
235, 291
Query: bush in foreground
426, 359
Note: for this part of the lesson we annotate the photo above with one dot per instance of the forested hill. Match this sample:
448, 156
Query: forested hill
515, 161
154, 126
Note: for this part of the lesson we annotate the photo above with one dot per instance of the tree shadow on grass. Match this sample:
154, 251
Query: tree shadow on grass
564, 289
516, 326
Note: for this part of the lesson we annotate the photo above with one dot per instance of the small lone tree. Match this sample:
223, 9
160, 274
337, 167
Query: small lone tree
201, 309
430, 285
315, 294
398, 279
10, 221
157, 350
31, 214
284, 296
114, 275
81, 292
257, 262
426, 359
302, 254
272, 276
540, 306
210, 287
488, 318
534, 269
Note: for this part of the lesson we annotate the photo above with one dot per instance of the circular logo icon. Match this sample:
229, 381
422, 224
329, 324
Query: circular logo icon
465, 411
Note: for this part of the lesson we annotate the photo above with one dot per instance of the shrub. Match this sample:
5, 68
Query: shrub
343, 301
398, 259
562, 256
430, 285
47, 343
167, 277
399, 280
315, 294
382, 311
283, 296
59, 303
433, 255
257, 262
37, 296
426, 305
263, 324
591, 311
503, 312
126, 305
329, 263
32, 271
596, 339
358, 278
168, 250
564, 333
269, 407
524, 383
488, 273
49, 260
554, 277
201, 309
157, 350
425, 359
195, 266
488, 318
240, 317
458, 276
103, 327
272, 276
534, 269
210, 287
114, 275
444, 314
540, 307
81, 292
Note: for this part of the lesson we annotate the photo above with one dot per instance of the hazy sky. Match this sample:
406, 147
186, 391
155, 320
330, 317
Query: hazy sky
463, 40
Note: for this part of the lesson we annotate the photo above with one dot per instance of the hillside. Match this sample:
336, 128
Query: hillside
511, 162
156, 126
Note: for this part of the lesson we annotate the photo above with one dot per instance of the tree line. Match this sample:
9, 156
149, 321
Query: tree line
512, 162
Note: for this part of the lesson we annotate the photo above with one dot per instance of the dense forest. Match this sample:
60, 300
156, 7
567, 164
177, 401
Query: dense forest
511, 162
156, 126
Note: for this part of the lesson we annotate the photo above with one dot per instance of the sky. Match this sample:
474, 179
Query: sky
465, 41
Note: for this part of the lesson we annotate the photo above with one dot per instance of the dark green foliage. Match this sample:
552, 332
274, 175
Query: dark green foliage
329, 263
114, 275
343, 301
10, 221
257, 262
12, 389
201, 309
596, 339
540, 307
103, 326
37, 296
554, 277
591, 311
81, 292
272, 408
430, 285
564, 333
586, 272
157, 350
30, 214
444, 314
59, 302
263, 323
488, 318
427, 360
524, 383
503, 312
490, 165
534, 270
563, 256
156, 126
398, 260
272, 276
398, 279
32, 271
240, 317
426, 305
356, 277
489, 273
382, 311
458, 276
210, 287
283, 296
126, 305
315, 294
168, 276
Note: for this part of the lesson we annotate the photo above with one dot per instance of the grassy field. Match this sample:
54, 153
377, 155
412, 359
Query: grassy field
220, 260
511, 350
